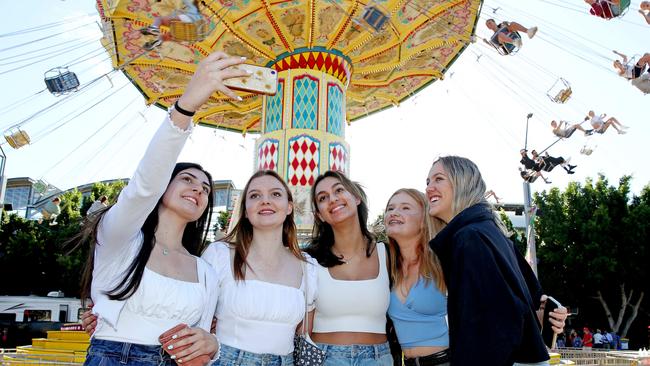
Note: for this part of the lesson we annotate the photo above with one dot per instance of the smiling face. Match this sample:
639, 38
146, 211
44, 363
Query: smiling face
187, 194
267, 203
403, 217
334, 201
440, 193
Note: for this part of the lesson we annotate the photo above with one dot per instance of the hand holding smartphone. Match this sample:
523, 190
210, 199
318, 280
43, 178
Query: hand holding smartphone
261, 80
548, 335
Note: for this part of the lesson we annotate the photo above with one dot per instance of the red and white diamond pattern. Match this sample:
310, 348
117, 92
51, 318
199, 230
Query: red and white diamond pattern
338, 158
267, 156
304, 157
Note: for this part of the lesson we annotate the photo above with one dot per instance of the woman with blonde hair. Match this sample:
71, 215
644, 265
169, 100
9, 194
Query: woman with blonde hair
493, 294
418, 302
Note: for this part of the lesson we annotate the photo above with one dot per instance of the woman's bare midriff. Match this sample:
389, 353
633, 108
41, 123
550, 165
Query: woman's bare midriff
422, 351
346, 338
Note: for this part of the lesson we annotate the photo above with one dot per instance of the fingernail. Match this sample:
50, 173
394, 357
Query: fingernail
175, 336
173, 357
239, 98
180, 361
171, 346
243, 58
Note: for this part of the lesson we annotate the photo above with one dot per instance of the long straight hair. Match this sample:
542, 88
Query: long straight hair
241, 236
430, 268
194, 240
322, 232
468, 188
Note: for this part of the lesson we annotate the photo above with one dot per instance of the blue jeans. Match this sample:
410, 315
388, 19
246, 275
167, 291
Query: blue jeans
110, 353
231, 356
357, 354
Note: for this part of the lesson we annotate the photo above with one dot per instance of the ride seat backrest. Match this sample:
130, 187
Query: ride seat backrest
563, 95
375, 18
188, 32
504, 48
18, 139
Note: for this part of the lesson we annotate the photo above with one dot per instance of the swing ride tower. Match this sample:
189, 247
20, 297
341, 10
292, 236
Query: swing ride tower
337, 61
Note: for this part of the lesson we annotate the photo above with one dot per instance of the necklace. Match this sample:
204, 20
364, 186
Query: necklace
344, 260
166, 251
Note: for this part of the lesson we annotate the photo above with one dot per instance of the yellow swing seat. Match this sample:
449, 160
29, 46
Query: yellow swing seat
188, 32
18, 139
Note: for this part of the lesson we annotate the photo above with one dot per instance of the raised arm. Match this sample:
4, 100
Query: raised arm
123, 221
623, 57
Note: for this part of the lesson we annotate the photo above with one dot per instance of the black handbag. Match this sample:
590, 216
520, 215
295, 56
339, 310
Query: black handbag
305, 351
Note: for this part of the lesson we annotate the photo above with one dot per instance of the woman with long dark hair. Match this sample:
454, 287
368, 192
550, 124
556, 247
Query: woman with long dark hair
266, 283
144, 274
353, 283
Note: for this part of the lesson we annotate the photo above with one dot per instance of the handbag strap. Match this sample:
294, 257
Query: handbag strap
305, 280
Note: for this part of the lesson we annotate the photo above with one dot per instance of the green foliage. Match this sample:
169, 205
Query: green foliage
379, 229
591, 238
222, 221
32, 260
517, 237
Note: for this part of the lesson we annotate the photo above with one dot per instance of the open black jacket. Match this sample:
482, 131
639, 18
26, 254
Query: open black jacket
492, 293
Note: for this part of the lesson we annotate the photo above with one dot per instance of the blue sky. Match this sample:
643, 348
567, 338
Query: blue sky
478, 111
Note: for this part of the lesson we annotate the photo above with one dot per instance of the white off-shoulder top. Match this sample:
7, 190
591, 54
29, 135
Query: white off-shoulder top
257, 316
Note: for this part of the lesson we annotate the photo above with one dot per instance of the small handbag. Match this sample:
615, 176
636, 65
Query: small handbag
166, 340
305, 351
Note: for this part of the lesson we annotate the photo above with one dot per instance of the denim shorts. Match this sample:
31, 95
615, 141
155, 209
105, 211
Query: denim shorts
357, 354
111, 353
231, 356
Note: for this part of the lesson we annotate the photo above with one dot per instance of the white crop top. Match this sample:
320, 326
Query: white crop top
353, 306
158, 304
258, 316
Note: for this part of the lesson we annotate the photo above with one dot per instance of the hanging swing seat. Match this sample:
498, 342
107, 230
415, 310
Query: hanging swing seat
607, 9
560, 92
505, 48
60, 81
586, 150
188, 31
17, 139
375, 17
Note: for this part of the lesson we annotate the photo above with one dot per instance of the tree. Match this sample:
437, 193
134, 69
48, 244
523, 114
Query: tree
222, 221
593, 249
379, 229
110, 190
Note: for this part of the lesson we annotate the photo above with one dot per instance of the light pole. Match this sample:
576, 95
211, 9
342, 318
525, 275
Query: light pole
3, 181
529, 211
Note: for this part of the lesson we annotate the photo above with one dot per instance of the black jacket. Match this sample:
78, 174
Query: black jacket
492, 293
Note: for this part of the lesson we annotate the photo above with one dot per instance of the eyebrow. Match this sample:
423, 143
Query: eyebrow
194, 176
331, 187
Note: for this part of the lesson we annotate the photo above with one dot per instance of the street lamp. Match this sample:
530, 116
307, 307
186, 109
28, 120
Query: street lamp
529, 210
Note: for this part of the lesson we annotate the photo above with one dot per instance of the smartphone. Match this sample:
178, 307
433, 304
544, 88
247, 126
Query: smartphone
547, 331
262, 80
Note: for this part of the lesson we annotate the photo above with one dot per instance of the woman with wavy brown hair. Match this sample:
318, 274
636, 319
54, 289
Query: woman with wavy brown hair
264, 279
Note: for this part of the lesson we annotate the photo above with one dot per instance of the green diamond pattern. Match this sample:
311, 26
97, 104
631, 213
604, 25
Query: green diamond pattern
274, 110
305, 103
335, 110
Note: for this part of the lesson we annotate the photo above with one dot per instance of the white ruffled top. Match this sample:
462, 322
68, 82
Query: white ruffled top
257, 316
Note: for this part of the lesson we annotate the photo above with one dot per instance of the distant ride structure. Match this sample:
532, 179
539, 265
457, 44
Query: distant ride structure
337, 61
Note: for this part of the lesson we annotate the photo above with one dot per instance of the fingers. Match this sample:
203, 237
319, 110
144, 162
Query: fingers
229, 61
197, 342
229, 93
